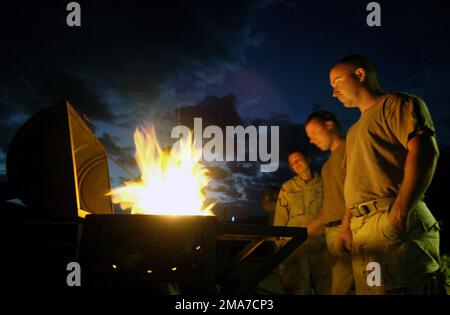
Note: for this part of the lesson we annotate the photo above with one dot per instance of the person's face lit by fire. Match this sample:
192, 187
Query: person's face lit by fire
320, 133
347, 84
298, 163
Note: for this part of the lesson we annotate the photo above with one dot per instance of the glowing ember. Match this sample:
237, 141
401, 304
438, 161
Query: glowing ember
171, 183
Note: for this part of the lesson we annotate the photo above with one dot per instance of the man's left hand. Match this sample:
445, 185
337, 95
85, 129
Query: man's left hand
397, 218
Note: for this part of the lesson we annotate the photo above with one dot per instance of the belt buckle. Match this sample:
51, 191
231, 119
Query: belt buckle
367, 207
364, 208
355, 212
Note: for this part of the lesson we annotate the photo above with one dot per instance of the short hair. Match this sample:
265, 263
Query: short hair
324, 116
305, 155
359, 61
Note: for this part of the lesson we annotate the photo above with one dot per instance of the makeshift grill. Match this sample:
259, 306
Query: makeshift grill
65, 185
144, 250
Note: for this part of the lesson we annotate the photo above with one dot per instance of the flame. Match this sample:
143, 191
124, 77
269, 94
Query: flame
171, 183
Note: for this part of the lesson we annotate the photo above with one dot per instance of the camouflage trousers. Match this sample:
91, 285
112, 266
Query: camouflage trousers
307, 270
405, 263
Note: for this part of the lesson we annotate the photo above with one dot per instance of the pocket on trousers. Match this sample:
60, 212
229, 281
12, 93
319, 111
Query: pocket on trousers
428, 225
422, 221
387, 229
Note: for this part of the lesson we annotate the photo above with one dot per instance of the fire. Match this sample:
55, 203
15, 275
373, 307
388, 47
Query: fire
171, 183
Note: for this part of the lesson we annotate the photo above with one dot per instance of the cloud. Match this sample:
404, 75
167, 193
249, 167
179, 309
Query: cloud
131, 62
213, 111
244, 185
217, 173
20, 99
122, 155
136, 49
57, 85
292, 135
222, 112
120, 62
7, 131
230, 192
126, 64
248, 169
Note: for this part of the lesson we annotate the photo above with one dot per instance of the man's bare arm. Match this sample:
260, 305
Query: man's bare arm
345, 242
419, 169
316, 224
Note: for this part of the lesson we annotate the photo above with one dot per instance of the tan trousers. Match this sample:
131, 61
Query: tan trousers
342, 282
307, 270
409, 262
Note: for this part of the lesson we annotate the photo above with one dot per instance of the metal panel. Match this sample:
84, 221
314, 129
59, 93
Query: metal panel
56, 164
144, 250
257, 234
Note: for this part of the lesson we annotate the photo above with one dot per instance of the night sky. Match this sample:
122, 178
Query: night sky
230, 62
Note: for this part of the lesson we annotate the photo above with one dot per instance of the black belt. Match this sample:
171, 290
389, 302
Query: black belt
333, 223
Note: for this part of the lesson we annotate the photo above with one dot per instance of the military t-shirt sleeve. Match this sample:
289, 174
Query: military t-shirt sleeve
408, 116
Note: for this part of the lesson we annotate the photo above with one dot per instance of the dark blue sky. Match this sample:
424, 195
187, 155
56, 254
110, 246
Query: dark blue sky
135, 62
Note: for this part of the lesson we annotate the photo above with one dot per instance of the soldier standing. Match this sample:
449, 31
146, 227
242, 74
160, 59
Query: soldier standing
306, 271
391, 157
323, 131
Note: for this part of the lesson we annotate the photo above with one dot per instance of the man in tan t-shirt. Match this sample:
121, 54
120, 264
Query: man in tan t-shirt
323, 131
391, 157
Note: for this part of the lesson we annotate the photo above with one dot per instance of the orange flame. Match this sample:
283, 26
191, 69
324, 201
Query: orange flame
171, 183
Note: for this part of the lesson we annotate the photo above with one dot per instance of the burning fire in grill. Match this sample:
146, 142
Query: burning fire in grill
171, 182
